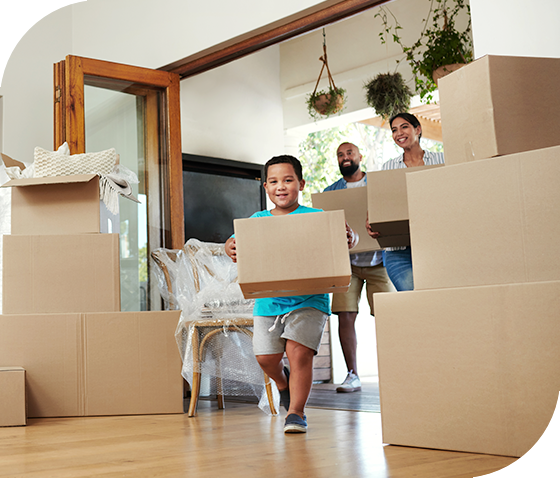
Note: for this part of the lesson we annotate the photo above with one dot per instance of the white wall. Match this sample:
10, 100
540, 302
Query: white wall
27, 86
516, 27
235, 111
139, 32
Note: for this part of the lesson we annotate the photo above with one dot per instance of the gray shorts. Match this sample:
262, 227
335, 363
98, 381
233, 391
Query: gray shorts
304, 326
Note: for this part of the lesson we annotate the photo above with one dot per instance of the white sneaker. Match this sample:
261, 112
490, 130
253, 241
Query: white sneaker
351, 383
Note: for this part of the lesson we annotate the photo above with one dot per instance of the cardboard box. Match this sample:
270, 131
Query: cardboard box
353, 202
469, 369
12, 397
387, 205
68, 273
495, 106
119, 363
59, 205
492, 221
296, 254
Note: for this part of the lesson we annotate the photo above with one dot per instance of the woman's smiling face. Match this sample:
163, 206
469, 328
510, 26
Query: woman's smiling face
404, 134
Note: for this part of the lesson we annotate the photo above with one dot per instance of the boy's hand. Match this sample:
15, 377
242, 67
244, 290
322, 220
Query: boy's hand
352, 237
373, 234
230, 249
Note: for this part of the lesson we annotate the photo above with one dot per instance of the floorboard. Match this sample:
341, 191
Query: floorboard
240, 441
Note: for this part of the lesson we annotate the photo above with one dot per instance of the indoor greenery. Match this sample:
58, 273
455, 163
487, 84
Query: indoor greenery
388, 94
440, 43
325, 103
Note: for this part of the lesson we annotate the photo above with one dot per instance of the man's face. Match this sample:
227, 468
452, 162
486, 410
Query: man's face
349, 159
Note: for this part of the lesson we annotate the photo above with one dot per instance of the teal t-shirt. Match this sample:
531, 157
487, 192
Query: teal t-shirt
272, 306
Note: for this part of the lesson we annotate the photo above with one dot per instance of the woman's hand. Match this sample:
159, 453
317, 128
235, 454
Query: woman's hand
352, 237
231, 251
373, 234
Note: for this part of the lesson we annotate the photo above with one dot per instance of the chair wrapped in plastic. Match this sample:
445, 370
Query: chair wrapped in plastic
214, 334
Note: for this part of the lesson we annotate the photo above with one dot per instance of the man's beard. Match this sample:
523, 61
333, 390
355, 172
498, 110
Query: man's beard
349, 170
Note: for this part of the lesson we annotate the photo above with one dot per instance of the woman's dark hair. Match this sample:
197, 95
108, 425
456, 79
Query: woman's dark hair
285, 158
413, 120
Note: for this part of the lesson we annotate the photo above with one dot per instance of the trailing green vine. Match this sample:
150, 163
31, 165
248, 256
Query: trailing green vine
439, 44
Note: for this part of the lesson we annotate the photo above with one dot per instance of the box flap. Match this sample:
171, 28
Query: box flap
10, 163
75, 178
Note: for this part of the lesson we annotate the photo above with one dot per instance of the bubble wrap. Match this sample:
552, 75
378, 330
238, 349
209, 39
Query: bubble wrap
201, 281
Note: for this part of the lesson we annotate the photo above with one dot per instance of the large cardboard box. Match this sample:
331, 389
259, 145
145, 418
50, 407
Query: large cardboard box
469, 369
496, 106
118, 363
67, 273
492, 221
296, 254
59, 205
12, 397
387, 205
353, 202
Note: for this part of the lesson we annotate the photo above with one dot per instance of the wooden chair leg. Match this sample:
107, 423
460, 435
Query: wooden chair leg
269, 394
195, 392
220, 393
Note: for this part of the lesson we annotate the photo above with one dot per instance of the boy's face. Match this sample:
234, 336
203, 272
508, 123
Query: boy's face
283, 187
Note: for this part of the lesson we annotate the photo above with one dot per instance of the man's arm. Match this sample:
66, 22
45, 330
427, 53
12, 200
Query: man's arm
352, 237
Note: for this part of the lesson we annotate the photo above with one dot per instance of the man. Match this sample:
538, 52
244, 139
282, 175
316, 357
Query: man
366, 267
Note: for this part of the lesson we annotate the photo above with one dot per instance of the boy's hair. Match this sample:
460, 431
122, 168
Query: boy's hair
285, 158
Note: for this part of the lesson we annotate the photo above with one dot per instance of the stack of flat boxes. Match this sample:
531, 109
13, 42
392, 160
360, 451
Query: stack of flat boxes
61, 321
468, 361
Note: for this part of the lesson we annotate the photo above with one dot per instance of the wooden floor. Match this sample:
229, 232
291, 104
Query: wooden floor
240, 441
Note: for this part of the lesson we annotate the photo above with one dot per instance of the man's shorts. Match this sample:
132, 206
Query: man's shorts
304, 326
376, 280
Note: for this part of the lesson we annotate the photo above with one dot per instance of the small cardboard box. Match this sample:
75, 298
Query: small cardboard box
296, 254
354, 203
12, 397
486, 222
68, 273
117, 363
387, 205
495, 106
59, 205
469, 369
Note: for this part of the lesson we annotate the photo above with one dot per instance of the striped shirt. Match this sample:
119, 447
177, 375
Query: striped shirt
429, 160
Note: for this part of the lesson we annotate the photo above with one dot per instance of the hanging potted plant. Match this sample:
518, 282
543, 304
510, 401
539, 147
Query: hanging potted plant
324, 103
441, 47
388, 94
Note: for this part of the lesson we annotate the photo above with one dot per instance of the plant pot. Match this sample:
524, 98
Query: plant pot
445, 70
322, 102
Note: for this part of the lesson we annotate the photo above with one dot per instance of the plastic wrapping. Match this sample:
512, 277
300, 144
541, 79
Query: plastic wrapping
213, 334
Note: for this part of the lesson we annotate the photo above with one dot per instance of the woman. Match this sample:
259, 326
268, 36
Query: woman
407, 132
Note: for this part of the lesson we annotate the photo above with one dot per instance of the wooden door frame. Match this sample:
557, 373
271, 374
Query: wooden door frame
294, 25
70, 76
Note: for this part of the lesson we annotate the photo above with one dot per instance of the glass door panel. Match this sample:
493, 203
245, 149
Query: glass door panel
114, 119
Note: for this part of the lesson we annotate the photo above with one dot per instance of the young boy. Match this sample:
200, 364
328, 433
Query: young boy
288, 324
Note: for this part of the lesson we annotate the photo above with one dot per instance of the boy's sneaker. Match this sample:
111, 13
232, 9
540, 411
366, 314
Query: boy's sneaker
351, 383
285, 394
295, 424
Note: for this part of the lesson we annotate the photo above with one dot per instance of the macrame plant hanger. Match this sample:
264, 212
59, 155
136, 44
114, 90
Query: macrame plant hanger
325, 64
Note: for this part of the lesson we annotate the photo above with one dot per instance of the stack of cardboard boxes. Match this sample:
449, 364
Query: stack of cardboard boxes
469, 360
62, 330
